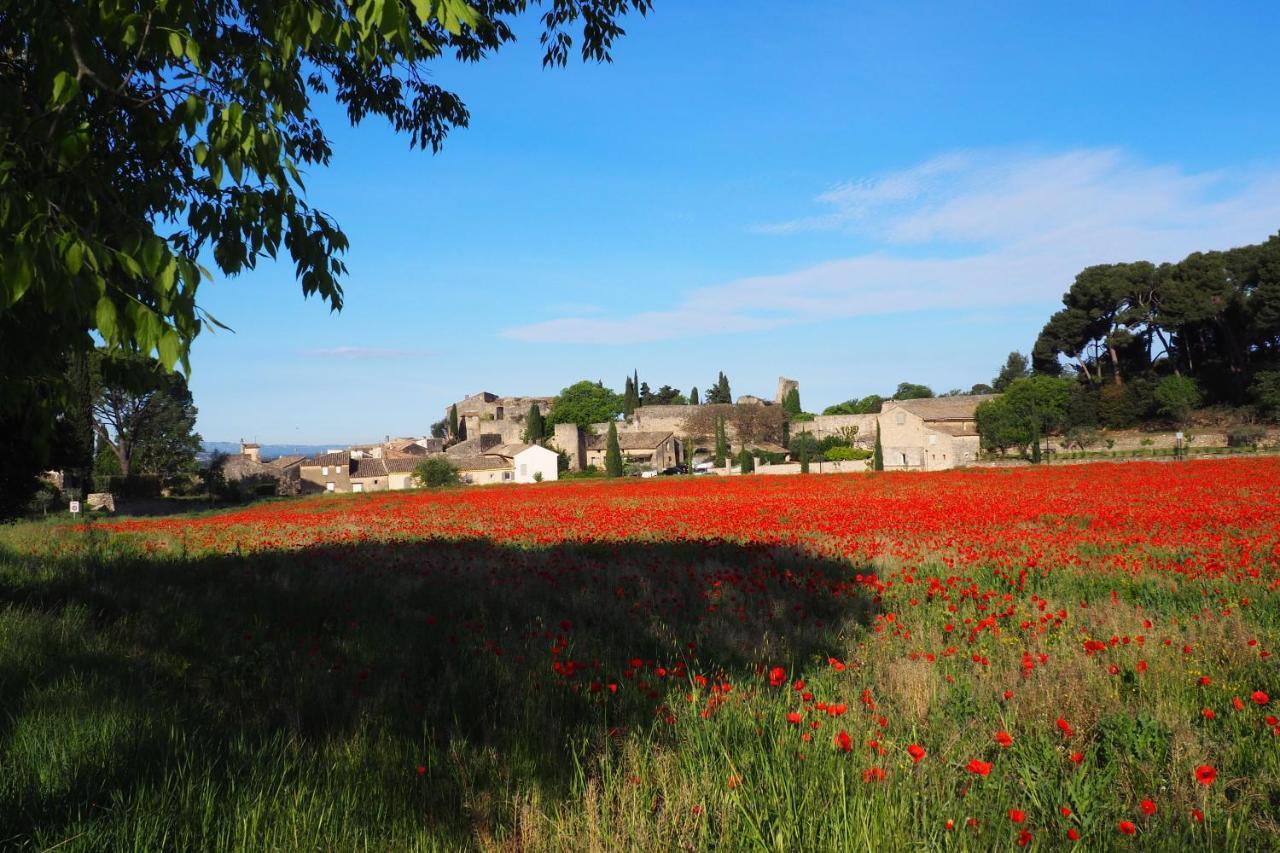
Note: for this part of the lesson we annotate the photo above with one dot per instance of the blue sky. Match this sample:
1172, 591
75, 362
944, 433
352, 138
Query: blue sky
854, 196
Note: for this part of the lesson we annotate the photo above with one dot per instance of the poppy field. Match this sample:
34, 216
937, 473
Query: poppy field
1078, 656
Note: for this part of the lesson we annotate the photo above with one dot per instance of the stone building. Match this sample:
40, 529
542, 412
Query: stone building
487, 413
933, 434
281, 476
652, 451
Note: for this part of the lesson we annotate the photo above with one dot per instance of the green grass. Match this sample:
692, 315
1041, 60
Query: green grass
287, 699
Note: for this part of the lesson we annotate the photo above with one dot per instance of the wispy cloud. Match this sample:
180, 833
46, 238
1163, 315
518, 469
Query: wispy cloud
966, 229
354, 353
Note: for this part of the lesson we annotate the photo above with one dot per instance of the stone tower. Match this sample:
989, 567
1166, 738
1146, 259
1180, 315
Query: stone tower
784, 388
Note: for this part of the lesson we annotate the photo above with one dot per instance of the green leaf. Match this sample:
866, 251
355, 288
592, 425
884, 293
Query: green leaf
75, 257
175, 45
65, 87
200, 153
105, 316
17, 275
169, 347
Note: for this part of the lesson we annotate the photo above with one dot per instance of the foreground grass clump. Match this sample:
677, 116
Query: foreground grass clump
969, 660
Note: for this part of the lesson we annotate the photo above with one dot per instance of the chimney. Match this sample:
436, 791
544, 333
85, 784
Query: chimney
253, 451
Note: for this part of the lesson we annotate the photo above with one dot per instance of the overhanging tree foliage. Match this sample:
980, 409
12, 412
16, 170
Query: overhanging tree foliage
138, 139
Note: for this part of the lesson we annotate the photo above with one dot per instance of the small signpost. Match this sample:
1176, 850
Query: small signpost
75, 507
1177, 445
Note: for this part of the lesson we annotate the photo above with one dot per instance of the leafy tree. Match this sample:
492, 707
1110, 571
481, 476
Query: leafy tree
981, 388
667, 396
877, 455
1000, 427
138, 138
534, 428
646, 395
912, 391
440, 429
847, 454
1016, 366
1266, 393
868, 405
754, 423
720, 392
613, 454
585, 403
435, 471
791, 403
693, 397
145, 415
1176, 397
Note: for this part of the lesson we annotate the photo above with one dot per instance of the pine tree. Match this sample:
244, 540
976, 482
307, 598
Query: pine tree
877, 457
693, 396
791, 402
453, 421
646, 394
535, 428
613, 454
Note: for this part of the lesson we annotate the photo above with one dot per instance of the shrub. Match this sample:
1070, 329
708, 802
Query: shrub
435, 471
1245, 435
1176, 397
847, 454
1266, 393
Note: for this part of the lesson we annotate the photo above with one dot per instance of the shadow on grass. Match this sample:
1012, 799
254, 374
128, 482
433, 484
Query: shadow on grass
440, 675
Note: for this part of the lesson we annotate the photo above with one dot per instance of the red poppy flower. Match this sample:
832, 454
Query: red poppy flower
844, 742
1205, 774
1073, 834
1205, 681
1065, 811
1003, 738
1127, 827
777, 676
873, 774
1077, 758
1259, 698
917, 752
1197, 815
1017, 815
981, 768
793, 717
1065, 727
1148, 807
1024, 838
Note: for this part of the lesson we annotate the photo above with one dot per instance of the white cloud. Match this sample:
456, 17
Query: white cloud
348, 352
967, 229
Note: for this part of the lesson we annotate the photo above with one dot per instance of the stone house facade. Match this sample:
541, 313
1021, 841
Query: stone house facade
654, 450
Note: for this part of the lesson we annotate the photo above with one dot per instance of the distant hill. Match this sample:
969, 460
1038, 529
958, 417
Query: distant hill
269, 451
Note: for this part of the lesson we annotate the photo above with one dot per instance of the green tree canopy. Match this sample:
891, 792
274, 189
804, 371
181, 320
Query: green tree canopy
1176, 397
585, 403
912, 391
140, 140
868, 405
1015, 366
435, 471
144, 415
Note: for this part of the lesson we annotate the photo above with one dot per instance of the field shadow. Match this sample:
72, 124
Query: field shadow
442, 647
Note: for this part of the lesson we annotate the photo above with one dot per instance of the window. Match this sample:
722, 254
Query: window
904, 459
524, 469
499, 414
902, 418
324, 471
328, 487
506, 475
357, 487
933, 439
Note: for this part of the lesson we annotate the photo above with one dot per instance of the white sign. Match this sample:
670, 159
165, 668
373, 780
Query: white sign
75, 506
1178, 436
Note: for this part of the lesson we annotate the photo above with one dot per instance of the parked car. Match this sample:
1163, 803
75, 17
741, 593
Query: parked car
675, 469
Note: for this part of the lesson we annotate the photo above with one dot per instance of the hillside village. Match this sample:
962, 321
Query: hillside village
490, 445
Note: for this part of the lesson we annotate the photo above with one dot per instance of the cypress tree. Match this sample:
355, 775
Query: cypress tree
877, 458
722, 443
804, 453
1035, 443
693, 396
613, 454
629, 398
746, 461
453, 421
535, 428
722, 389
